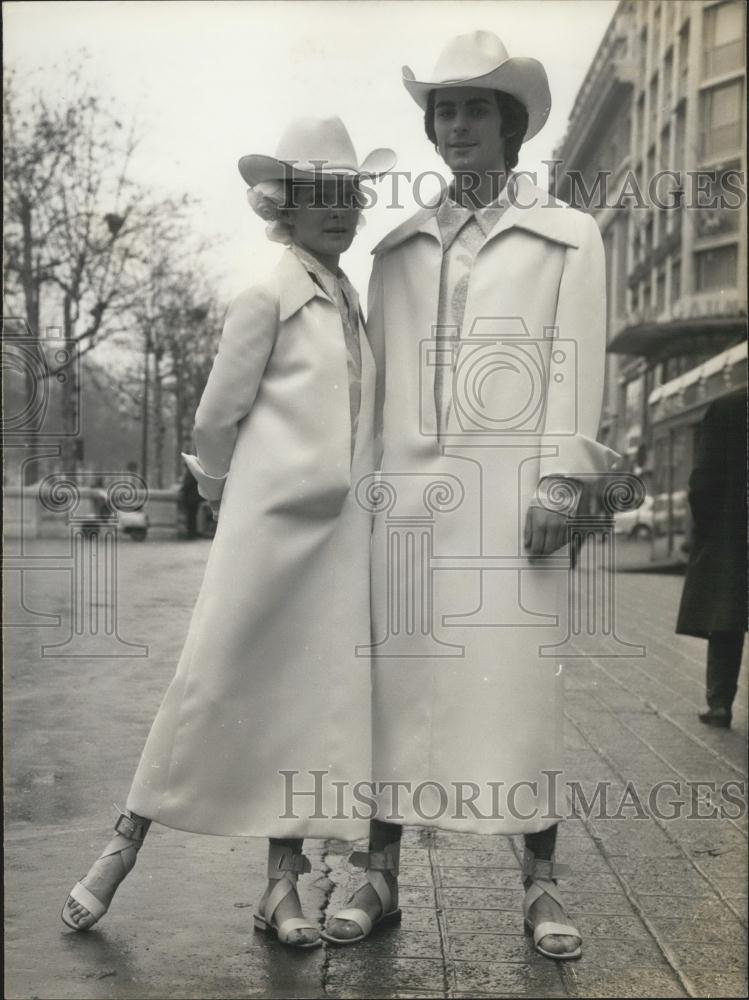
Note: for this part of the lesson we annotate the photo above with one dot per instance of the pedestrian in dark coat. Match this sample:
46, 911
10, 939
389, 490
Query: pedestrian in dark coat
714, 600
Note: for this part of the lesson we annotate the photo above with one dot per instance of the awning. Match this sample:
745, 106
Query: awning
675, 337
725, 360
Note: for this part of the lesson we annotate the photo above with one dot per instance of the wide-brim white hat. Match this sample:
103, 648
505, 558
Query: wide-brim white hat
311, 148
480, 59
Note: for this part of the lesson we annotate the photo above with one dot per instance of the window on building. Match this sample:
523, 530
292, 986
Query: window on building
656, 35
653, 108
668, 74
625, 134
665, 157
680, 133
620, 290
676, 220
724, 38
609, 254
633, 403
722, 114
641, 124
668, 24
643, 52
675, 279
716, 268
683, 61
660, 291
719, 214
649, 229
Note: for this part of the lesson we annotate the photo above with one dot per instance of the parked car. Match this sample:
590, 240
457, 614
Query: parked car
679, 512
133, 523
637, 524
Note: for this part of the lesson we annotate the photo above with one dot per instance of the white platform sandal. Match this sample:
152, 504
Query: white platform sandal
130, 832
289, 864
544, 873
374, 863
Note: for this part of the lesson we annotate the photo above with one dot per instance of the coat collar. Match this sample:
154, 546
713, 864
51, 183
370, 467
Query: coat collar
295, 287
533, 210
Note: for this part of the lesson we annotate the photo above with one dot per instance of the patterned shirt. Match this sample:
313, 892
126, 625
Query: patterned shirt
463, 232
342, 292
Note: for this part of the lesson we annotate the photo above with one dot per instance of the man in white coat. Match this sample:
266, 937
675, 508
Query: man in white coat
486, 316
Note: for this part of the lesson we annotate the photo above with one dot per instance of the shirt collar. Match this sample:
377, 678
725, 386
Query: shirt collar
451, 217
330, 282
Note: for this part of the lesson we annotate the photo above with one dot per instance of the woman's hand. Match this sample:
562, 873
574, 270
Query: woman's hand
215, 506
545, 531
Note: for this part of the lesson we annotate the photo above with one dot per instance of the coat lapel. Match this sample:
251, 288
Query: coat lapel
296, 288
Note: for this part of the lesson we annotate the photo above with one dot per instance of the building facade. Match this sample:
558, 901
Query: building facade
655, 148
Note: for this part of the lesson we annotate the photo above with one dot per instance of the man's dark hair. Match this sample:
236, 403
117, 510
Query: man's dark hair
514, 124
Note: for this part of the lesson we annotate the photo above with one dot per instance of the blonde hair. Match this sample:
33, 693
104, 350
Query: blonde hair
266, 199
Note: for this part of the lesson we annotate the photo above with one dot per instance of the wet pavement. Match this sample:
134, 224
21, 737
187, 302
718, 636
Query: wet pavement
661, 903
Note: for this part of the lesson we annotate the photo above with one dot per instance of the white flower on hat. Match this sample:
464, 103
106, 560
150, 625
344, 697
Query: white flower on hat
266, 199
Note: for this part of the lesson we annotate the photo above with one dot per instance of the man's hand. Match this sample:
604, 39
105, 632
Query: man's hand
545, 531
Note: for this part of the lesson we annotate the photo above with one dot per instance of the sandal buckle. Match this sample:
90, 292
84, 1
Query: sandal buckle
131, 828
542, 869
376, 861
299, 864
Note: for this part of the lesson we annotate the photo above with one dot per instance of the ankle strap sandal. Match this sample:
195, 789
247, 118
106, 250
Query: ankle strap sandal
374, 863
284, 865
130, 831
543, 875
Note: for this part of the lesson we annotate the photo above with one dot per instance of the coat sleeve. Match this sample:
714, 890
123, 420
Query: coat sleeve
573, 405
245, 346
707, 479
376, 335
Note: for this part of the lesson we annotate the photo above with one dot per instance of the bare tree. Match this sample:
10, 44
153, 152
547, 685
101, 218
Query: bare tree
76, 225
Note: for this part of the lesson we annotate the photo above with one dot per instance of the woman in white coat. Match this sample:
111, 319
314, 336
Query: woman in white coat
269, 680
479, 402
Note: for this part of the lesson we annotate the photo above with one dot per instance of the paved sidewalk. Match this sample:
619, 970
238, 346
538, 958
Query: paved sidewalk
661, 903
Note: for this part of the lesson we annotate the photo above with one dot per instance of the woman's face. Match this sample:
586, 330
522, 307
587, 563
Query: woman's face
325, 215
468, 125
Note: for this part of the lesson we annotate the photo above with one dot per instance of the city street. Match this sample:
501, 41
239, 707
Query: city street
661, 903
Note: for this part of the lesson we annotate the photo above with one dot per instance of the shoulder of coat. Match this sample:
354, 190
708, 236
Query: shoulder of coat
259, 302
552, 218
405, 230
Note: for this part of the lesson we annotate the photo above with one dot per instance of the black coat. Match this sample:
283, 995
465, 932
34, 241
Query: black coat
715, 589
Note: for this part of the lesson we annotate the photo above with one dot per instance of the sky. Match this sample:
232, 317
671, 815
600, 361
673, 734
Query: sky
211, 81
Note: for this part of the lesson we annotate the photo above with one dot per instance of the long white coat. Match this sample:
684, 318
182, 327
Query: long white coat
461, 692
269, 679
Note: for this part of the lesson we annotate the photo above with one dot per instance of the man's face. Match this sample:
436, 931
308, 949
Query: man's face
326, 215
467, 124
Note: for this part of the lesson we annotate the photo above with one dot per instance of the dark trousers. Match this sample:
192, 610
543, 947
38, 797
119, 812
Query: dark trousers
723, 665
542, 844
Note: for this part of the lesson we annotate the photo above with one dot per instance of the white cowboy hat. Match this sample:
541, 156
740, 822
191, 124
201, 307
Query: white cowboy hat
479, 59
314, 147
